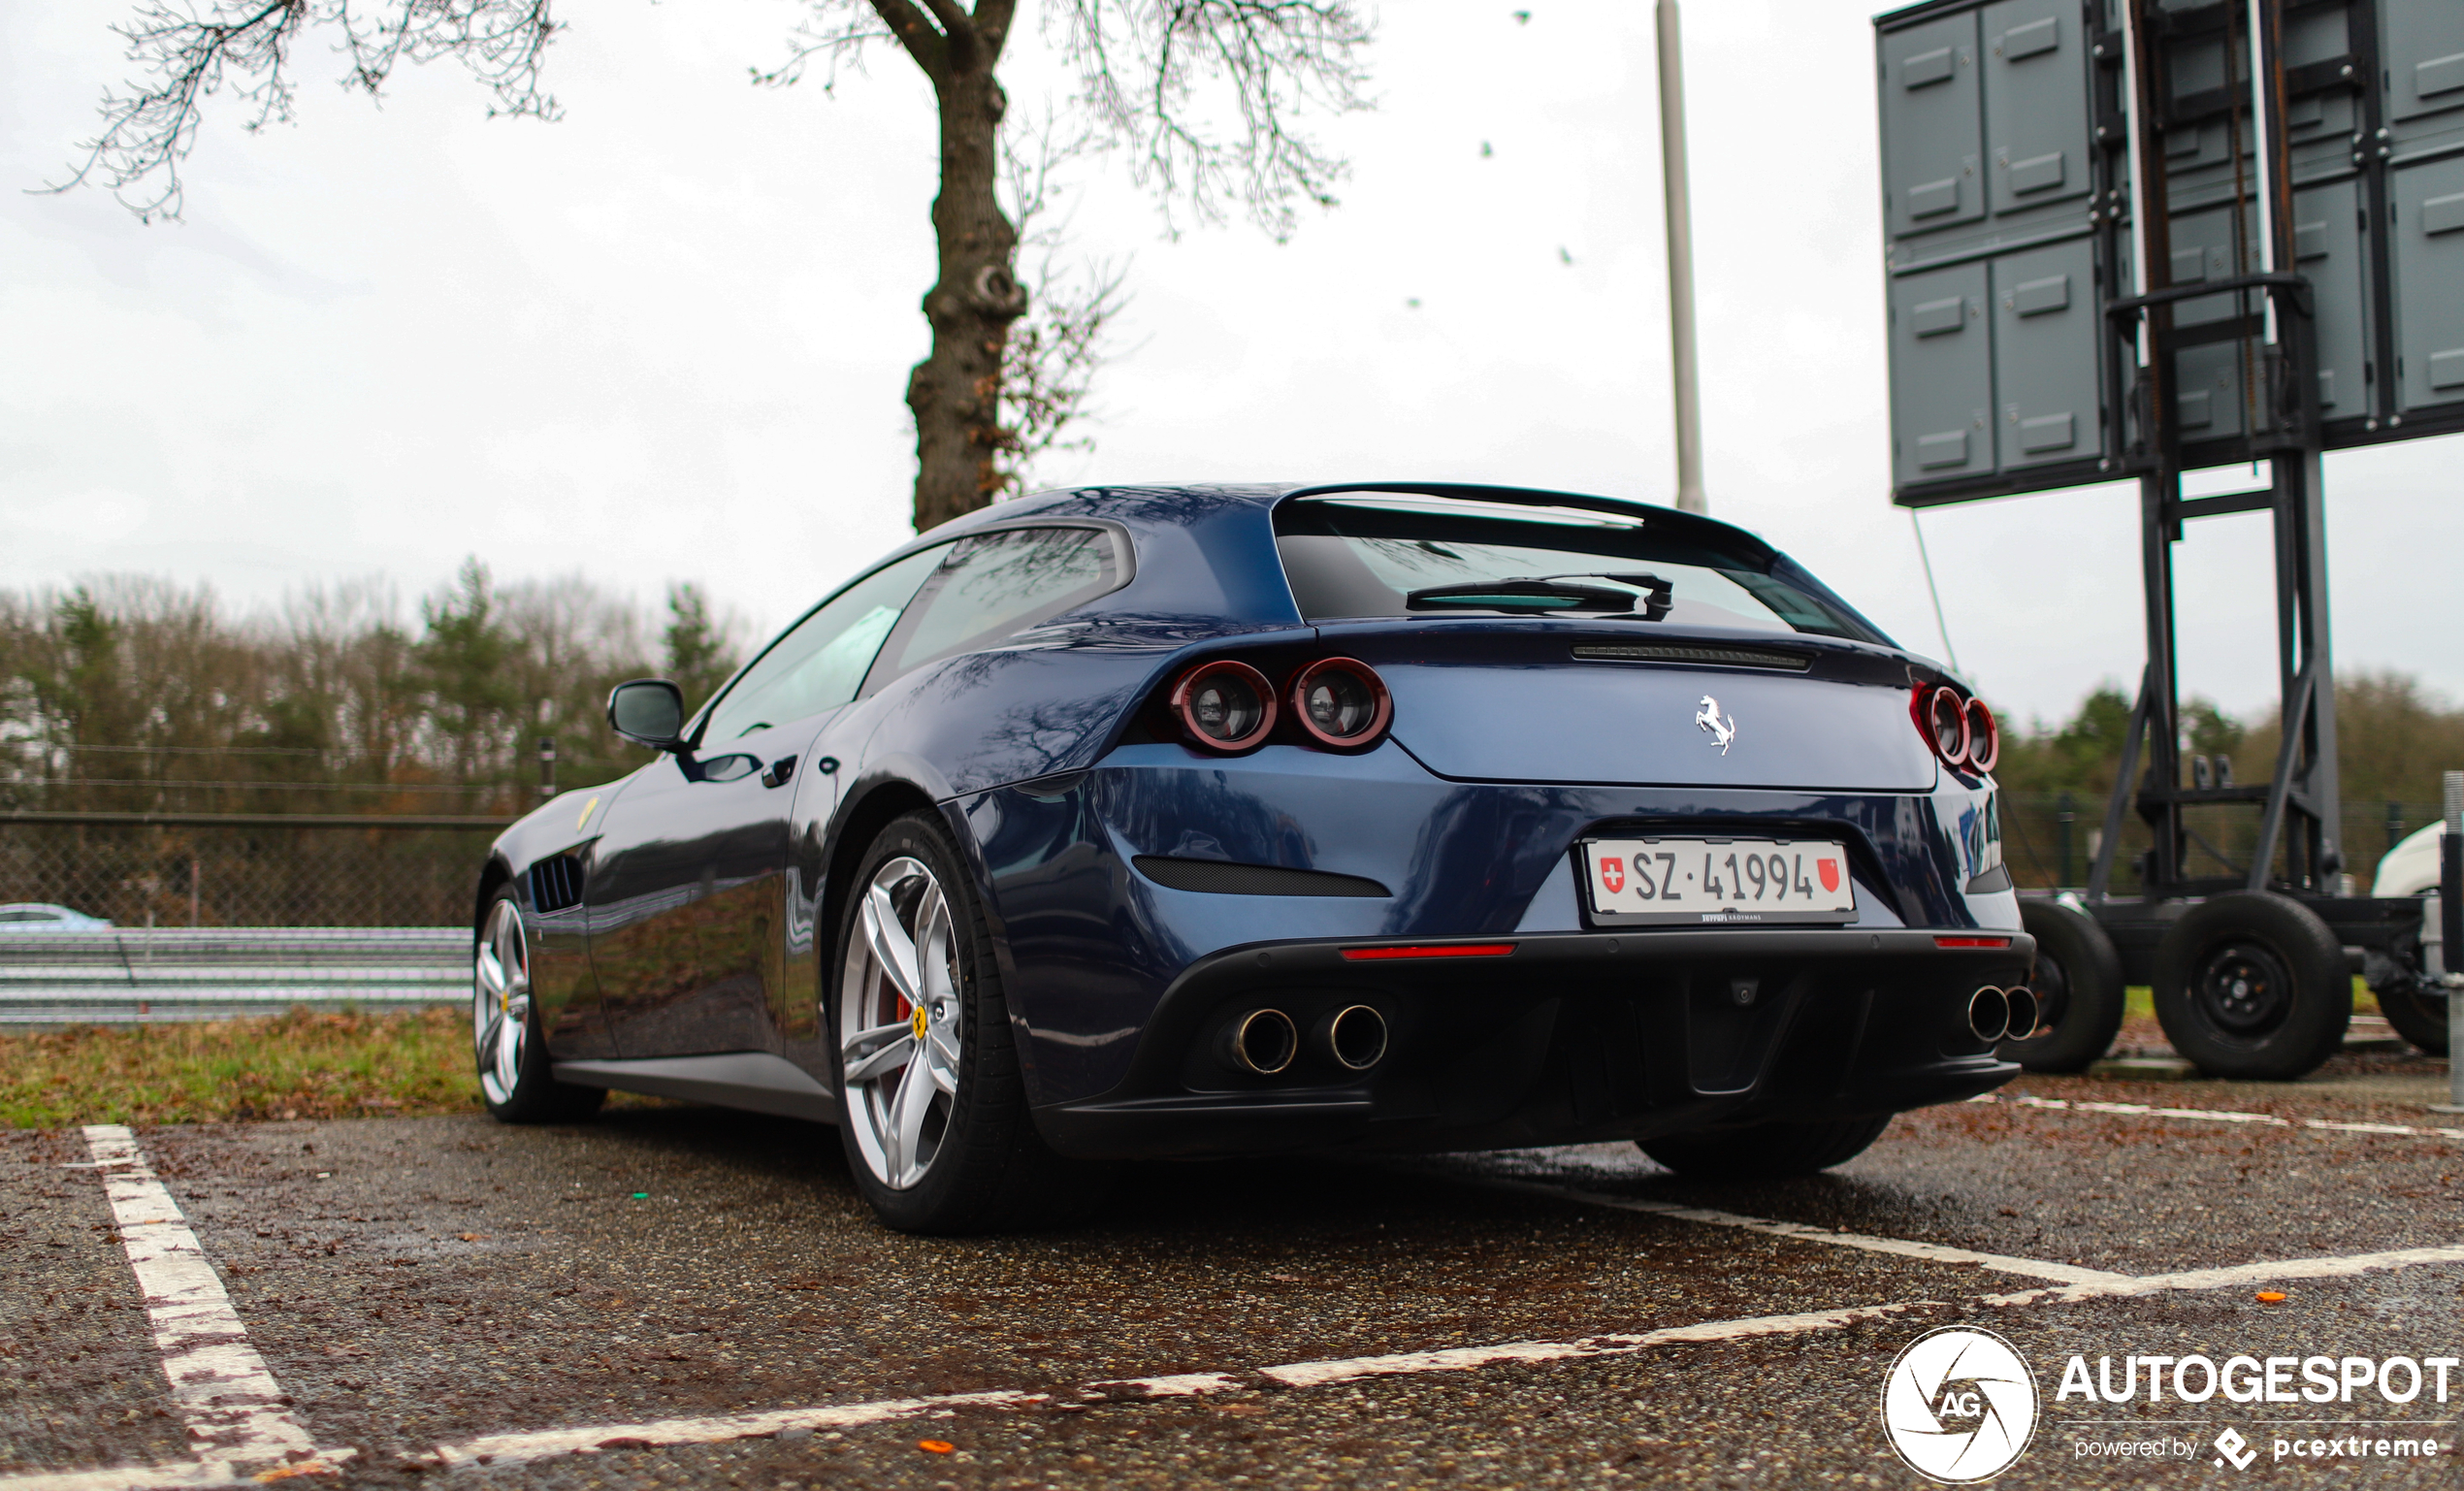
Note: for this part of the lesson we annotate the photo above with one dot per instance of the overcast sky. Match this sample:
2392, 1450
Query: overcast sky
668, 338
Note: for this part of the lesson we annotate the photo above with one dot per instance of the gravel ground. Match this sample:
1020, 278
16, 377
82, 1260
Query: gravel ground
418, 1283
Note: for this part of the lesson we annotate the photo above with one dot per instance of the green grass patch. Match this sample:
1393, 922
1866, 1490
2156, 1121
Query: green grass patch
300, 1065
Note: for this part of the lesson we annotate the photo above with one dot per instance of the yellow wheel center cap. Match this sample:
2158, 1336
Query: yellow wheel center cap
921, 1020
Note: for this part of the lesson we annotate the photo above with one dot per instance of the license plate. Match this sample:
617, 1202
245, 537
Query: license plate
1697, 880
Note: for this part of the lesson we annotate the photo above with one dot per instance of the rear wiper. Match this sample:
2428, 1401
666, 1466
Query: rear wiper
1550, 593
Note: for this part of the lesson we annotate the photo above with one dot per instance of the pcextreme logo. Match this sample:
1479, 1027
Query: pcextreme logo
1959, 1406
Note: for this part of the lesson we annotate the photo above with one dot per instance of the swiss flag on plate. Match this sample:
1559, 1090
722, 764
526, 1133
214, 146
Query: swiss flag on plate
1829, 870
1612, 873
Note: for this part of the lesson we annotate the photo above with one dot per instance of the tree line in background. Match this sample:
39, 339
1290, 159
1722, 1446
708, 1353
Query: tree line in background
2393, 740
132, 694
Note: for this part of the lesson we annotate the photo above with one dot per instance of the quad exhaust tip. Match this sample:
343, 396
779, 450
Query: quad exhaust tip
1264, 1041
1989, 1013
1354, 1037
2025, 1013
2002, 1013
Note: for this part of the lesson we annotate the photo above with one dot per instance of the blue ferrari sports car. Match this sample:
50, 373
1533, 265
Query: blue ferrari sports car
1147, 822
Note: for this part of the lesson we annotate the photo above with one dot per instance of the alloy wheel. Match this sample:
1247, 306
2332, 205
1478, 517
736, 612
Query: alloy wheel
902, 1024
500, 1002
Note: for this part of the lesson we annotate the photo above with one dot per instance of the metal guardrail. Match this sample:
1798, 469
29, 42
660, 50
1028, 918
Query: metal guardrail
134, 975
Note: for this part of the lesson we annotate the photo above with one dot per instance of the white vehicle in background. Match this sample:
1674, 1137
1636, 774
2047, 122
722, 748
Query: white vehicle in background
40, 917
2419, 1013
2411, 867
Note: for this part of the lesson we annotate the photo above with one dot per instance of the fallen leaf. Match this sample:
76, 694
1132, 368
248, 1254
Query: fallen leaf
935, 1447
286, 1472
2270, 1297
472, 1237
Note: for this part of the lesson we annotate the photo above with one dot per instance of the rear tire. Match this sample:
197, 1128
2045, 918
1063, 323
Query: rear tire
2252, 984
1765, 1152
2077, 982
935, 1123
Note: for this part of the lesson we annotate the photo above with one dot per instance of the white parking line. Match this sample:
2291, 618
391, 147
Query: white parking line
232, 1403
2218, 1116
497, 1450
2243, 1275
1801, 1232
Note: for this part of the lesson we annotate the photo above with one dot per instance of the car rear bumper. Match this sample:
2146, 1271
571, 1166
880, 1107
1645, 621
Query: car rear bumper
1563, 1038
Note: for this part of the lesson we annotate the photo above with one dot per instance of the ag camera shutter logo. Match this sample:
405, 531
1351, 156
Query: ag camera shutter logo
1960, 1406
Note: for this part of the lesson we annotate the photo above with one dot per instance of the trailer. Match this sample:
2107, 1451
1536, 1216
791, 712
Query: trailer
2297, 287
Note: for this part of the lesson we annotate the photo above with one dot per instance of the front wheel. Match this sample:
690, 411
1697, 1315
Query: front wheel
505, 1039
933, 1110
1765, 1151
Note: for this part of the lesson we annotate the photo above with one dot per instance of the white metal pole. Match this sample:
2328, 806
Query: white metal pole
1679, 220
2451, 944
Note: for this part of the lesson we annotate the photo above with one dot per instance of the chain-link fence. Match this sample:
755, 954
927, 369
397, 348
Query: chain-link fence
215, 915
271, 871
2050, 840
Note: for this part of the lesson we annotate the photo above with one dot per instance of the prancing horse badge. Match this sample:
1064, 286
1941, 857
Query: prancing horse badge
1721, 731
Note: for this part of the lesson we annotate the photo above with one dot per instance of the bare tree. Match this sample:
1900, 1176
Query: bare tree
1205, 99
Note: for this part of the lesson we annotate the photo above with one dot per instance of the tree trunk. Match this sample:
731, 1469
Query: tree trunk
956, 393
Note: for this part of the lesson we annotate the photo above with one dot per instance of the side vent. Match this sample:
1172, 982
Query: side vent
556, 884
1223, 878
1717, 657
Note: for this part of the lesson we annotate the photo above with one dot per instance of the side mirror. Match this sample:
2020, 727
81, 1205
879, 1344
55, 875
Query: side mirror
648, 711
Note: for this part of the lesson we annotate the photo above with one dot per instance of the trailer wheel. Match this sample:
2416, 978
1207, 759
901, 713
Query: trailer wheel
2252, 984
2417, 1014
2077, 982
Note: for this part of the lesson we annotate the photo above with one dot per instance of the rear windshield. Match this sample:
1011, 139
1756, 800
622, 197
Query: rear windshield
1368, 555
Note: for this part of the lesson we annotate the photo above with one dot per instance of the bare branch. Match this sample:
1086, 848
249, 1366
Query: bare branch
1055, 351
1208, 96
839, 31
183, 58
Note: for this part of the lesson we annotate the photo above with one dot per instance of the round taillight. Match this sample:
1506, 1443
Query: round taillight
1340, 703
1225, 705
1946, 725
1984, 737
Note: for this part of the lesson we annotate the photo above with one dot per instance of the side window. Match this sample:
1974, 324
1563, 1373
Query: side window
817, 665
997, 584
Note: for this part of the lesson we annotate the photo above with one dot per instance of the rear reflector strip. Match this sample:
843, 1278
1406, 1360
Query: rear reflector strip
1971, 942
1459, 950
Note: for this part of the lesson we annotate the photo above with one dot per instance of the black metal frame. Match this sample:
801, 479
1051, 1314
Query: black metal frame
2281, 424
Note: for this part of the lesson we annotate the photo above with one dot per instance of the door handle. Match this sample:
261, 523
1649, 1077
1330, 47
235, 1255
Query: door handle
778, 771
